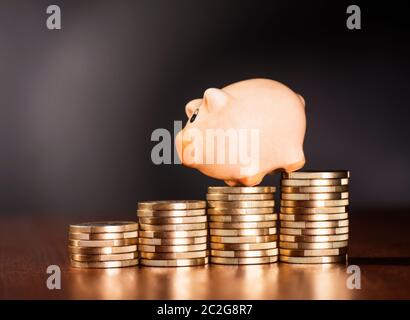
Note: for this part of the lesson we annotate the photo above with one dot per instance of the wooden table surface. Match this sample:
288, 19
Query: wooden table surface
379, 244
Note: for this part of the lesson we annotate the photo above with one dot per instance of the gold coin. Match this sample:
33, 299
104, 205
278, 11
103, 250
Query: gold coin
104, 264
339, 237
172, 241
241, 190
316, 175
313, 217
173, 234
102, 250
242, 232
172, 205
243, 246
314, 203
244, 253
242, 225
244, 218
173, 227
103, 236
174, 255
313, 253
174, 262
313, 245
314, 182
104, 257
103, 243
297, 210
177, 248
103, 226
313, 232
241, 204
240, 211
170, 213
314, 189
177, 220
244, 239
315, 196
256, 260
330, 259
314, 224
236, 197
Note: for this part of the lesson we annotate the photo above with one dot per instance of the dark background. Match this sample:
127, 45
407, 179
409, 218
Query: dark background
78, 105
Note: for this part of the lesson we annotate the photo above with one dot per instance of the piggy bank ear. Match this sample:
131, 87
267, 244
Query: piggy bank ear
215, 99
192, 106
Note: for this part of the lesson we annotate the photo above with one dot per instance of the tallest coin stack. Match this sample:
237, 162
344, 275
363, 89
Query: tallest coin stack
314, 225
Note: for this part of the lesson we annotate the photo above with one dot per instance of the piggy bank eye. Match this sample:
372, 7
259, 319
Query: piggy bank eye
194, 115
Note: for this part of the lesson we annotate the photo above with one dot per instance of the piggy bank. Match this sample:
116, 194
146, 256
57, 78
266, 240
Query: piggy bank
244, 131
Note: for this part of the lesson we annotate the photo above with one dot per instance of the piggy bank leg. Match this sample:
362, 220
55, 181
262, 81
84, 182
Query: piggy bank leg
248, 181
231, 183
253, 180
294, 166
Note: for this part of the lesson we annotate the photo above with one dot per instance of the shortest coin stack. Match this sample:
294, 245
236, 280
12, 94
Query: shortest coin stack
173, 233
109, 244
314, 225
242, 225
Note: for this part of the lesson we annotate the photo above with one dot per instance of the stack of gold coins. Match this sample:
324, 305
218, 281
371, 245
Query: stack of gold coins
173, 233
110, 244
242, 225
314, 224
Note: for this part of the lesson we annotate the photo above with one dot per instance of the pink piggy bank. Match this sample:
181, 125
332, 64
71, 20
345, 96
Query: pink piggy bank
244, 131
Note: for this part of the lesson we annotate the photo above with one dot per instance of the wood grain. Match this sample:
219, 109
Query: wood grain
379, 244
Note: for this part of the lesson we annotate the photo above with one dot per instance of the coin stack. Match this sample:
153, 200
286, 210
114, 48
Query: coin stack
173, 233
314, 224
242, 225
110, 244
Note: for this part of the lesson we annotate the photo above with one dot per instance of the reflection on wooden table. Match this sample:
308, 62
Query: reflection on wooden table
29, 244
